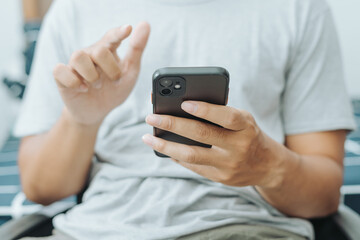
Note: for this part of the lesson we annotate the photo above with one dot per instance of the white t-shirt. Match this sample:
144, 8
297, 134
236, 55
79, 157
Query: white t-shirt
285, 66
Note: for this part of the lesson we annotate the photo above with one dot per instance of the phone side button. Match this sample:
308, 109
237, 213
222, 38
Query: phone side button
227, 96
152, 98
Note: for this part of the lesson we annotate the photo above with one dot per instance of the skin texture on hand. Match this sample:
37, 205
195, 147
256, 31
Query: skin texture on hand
237, 156
243, 155
96, 80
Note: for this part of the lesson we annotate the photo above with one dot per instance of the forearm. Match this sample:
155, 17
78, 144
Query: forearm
302, 179
55, 165
309, 185
96, 80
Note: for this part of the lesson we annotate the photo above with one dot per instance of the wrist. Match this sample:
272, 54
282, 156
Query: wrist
282, 163
71, 121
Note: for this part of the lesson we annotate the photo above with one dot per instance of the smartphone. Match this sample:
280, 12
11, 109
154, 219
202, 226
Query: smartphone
174, 85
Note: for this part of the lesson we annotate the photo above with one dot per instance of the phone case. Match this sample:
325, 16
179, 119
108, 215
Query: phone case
207, 84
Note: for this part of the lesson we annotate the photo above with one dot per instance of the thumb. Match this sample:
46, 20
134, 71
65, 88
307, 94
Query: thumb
137, 45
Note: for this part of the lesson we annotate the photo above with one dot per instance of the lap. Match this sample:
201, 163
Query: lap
243, 232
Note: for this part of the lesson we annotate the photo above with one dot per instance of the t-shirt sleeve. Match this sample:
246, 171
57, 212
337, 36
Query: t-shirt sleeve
315, 96
42, 104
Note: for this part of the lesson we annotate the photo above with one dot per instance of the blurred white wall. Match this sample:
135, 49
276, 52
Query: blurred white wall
11, 60
347, 18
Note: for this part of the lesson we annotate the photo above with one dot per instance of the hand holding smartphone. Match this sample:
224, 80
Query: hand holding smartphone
172, 86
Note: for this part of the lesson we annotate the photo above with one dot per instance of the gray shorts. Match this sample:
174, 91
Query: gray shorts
231, 232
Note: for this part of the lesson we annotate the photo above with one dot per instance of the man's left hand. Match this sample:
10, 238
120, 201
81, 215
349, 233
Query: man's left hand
241, 154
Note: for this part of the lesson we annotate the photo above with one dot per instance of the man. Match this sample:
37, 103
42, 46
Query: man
276, 159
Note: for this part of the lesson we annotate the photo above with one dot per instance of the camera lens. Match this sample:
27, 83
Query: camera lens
166, 82
166, 91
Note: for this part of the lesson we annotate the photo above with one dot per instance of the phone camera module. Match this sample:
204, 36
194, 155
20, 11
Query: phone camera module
166, 82
166, 91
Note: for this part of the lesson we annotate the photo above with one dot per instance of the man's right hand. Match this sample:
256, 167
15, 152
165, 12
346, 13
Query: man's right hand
96, 80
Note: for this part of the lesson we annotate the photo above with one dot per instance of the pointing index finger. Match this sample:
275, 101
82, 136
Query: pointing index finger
113, 38
137, 44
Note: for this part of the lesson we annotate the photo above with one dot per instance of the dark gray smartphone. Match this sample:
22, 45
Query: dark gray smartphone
174, 85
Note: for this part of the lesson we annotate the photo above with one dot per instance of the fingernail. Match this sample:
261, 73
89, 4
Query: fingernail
189, 107
83, 88
148, 139
153, 120
97, 84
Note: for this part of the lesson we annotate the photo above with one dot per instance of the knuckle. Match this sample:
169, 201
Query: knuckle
116, 74
160, 146
66, 79
168, 123
73, 83
226, 178
251, 127
94, 77
233, 118
190, 156
57, 70
135, 46
99, 53
203, 131
77, 56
